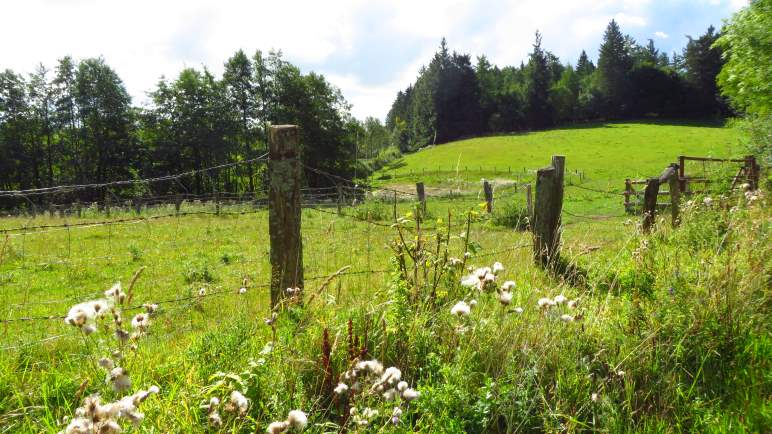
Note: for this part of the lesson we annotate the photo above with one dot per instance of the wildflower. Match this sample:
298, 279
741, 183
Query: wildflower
402, 386
277, 427
560, 299
566, 318
202, 292
572, 304
460, 309
369, 413
116, 293
391, 376
242, 290
88, 329
508, 285
594, 397
410, 394
454, 262
505, 298
497, 267
470, 281
119, 379
100, 307
390, 395
150, 308
292, 292
545, 303
370, 366
79, 314
341, 388
238, 402
106, 363
707, 201
297, 420
395, 415
140, 321
215, 419
518, 310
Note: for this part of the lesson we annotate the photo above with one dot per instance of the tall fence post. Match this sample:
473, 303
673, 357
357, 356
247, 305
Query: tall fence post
217, 203
650, 204
681, 174
421, 193
284, 215
488, 190
107, 204
752, 171
339, 189
546, 212
675, 196
628, 193
177, 204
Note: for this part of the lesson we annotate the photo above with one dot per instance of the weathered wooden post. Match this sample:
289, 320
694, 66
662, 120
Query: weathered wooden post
51, 209
681, 174
177, 204
284, 215
546, 212
628, 193
650, 204
339, 189
488, 190
752, 171
78, 208
419, 189
675, 195
528, 202
217, 203
107, 204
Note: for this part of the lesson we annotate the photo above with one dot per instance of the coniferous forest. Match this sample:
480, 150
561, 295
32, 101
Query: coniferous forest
75, 122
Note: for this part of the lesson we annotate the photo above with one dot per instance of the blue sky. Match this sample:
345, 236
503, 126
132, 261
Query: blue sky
369, 49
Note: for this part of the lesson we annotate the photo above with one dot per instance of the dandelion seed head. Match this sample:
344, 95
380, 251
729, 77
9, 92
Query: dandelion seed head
277, 427
505, 298
460, 309
410, 394
297, 420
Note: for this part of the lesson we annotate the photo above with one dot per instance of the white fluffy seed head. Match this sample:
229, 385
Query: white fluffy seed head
297, 420
410, 394
518, 310
505, 298
497, 267
402, 386
566, 318
560, 299
277, 427
460, 309
341, 388
509, 285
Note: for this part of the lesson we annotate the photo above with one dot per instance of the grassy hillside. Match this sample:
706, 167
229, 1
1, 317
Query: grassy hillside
608, 151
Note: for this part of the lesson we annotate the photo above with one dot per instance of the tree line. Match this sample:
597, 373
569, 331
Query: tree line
454, 98
76, 124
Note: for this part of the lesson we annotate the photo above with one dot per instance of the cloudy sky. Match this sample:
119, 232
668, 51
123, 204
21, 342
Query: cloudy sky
369, 49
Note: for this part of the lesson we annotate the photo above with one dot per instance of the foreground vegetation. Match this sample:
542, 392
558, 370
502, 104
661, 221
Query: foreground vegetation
661, 333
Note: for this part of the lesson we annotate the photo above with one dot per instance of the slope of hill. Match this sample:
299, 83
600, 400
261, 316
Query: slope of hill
603, 151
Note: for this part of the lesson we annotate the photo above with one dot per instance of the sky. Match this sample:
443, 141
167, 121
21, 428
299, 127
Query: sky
369, 49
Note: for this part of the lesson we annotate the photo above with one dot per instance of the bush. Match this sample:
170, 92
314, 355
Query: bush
511, 216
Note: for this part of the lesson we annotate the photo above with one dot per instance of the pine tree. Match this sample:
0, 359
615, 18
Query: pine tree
614, 62
539, 112
584, 66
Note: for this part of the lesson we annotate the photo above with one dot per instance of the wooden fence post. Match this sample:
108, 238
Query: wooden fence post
752, 171
137, 205
177, 204
675, 196
628, 193
77, 208
546, 213
107, 204
217, 203
681, 174
488, 190
529, 202
51, 209
419, 189
339, 189
650, 204
284, 215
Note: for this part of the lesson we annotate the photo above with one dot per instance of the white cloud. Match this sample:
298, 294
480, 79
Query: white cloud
661, 35
144, 39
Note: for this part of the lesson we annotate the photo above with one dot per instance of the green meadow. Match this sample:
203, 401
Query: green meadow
667, 333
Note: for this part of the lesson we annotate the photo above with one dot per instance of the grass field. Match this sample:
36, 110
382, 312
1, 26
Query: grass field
670, 333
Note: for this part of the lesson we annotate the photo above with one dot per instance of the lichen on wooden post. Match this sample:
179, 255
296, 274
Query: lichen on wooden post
546, 213
284, 217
